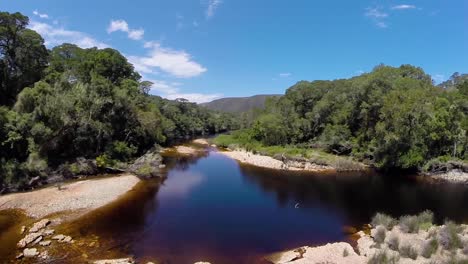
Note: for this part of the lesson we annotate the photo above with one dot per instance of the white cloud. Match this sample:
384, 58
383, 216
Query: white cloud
403, 7
285, 75
172, 91
122, 25
41, 15
57, 35
212, 6
377, 15
174, 62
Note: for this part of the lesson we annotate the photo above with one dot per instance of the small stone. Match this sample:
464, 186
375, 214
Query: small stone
66, 239
48, 232
39, 225
162, 166
92, 244
45, 243
115, 261
20, 256
30, 252
58, 237
39, 239
44, 255
23, 229
29, 238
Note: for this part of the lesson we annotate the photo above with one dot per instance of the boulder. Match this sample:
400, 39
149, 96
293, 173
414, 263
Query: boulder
29, 238
30, 252
39, 225
115, 261
148, 165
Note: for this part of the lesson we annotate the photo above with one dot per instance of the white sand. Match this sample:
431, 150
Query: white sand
269, 162
87, 194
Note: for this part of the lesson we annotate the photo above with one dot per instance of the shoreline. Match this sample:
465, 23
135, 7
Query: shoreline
288, 163
83, 196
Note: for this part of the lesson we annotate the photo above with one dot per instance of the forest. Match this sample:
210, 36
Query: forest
391, 118
65, 103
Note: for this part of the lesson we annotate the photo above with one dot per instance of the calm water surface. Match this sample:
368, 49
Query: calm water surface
214, 210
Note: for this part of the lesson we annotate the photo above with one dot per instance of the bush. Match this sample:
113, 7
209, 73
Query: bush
120, 150
380, 234
425, 219
382, 257
384, 220
409, 224
430, 247
448, 236
394, 242
407, 251
103, 161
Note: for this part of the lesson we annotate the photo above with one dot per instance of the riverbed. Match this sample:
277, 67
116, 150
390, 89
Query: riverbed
211, 208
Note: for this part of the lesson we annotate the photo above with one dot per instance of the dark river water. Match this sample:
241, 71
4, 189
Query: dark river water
213, 209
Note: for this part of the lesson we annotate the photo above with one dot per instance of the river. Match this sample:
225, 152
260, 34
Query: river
211, 208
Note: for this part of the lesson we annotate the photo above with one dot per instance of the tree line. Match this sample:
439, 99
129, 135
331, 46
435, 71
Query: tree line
392, 117
60, 104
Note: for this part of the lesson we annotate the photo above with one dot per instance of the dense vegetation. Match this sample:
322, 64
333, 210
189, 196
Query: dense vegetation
60, 104
390, 117
239, 104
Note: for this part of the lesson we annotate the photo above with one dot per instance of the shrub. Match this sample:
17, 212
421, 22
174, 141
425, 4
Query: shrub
103, 161
394, 242
380, 234
120, 150
384, 220
407, 251
381, 257
448, 236
425, 219
429, 248
409, 224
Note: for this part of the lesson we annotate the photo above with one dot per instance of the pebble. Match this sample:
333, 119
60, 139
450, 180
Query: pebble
44, 255
48, 232
30, 252
45, 243
39, 225
58, 237
23, 229
39, 239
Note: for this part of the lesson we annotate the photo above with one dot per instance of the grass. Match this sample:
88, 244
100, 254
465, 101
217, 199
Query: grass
393, 242
380, 235
449, 238
412, 224
430, 247
382, 257
384, 220
407, 251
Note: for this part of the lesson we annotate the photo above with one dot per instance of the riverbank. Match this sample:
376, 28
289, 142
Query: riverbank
288, 163
413, 240
82, 196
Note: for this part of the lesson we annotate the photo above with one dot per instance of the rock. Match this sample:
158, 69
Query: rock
115, 261
34, 181
66, 239
37, 241
45, 243
58, 237
44, 255
162, 166
23, 229
30, 252
29, 238
20, 256
39, 225
48, 232
147, 165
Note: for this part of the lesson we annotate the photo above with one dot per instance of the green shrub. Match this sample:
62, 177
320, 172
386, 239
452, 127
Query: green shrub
120, 150
425, 220
384, 220
430, 247
393, 242
409, 224
448, 236
382, 257
380, 234
407, 251
103, 161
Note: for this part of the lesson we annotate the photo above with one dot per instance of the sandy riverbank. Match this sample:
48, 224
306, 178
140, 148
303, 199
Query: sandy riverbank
269, 162
82, 195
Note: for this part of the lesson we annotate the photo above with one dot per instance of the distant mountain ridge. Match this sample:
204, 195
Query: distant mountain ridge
239, 104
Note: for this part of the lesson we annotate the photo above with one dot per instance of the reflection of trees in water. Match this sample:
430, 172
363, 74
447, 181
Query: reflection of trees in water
360, 196
182, 162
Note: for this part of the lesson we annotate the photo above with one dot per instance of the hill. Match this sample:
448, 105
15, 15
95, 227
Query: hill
239, 104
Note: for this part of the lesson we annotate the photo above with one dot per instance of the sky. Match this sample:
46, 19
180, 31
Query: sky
207, 49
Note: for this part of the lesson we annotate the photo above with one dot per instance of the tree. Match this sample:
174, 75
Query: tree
23, 56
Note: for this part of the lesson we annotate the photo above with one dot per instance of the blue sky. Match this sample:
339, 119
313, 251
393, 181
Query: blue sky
205, 49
